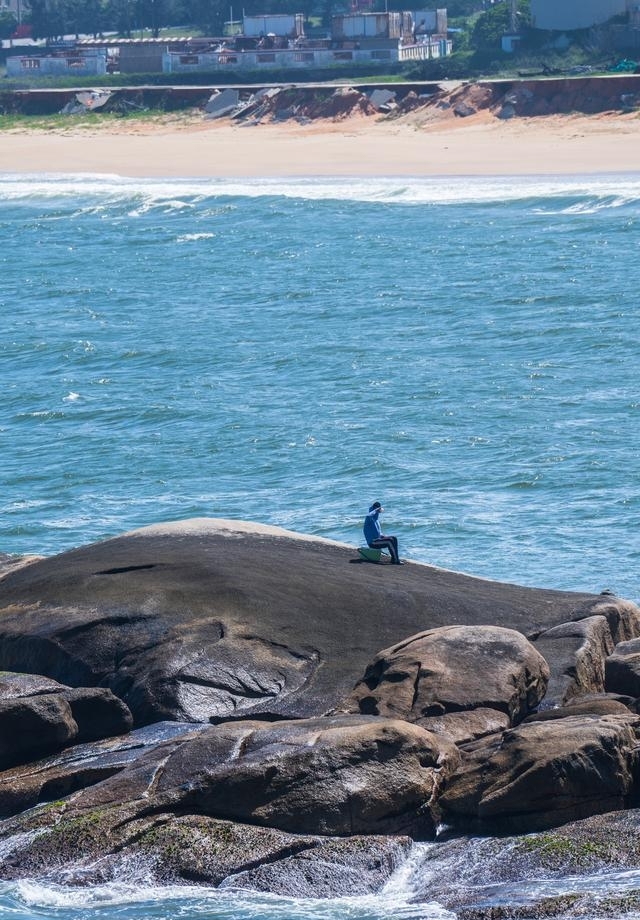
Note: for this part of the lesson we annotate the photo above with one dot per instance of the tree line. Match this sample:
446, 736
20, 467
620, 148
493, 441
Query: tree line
52, 19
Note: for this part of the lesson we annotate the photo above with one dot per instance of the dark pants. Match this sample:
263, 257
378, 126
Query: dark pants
390, 543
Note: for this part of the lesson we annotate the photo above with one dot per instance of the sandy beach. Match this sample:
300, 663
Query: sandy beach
188, 145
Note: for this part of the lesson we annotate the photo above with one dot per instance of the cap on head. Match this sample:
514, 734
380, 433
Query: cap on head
376, 506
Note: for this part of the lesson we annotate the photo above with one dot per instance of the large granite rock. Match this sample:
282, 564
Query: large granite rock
340, 775
345, 776
545, 773
622, 669
576, 654
581, 869
211, 618
33, 727
81, 765
622, 616
453, 670
107, 845
39, 716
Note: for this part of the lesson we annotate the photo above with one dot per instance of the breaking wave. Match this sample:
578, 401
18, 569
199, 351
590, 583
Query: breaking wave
551, 194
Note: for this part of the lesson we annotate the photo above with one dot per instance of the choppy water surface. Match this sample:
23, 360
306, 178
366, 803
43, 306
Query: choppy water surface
464, 350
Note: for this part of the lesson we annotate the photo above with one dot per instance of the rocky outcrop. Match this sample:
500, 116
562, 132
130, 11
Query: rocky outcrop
622, 669
39, 716
268, 759
545, 773
33, 727
622, 616
103, 845
453, 670
339, 775
211, 618
576, 653
81, 765
342, 776
578, 870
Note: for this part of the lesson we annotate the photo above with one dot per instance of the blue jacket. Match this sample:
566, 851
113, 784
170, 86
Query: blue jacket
371, 527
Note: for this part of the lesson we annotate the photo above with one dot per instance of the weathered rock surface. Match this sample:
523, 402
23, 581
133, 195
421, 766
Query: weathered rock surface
80, 765
9, 563
581, 706
466, 726
507, 878
39, 716
453, 669
622, 669
262, 633
622, 616
576, 653
102, 845
204, 618
340, 775
349, 867
33, 727
211, 618
346, 776
542, 774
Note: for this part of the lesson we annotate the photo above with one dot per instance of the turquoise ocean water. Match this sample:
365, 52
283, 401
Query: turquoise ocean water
464, 350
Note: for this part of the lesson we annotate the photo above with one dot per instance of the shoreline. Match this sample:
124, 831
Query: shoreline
189, 146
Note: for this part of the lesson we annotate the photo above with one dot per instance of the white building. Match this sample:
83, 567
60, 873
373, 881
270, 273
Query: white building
568, 15
368, 39
70, 63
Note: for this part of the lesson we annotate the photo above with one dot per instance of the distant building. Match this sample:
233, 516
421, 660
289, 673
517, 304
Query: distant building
430, 22
279, 42
72, 62
574, 14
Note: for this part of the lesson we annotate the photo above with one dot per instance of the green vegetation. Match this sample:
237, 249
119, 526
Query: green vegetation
555, 849
477, 36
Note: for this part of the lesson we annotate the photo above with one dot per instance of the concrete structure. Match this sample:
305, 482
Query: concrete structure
176, 62
430, 22
359, 38
279, 24
574, 14
78, 62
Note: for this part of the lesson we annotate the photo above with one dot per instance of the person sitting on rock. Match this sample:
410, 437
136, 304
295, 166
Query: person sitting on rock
374, 536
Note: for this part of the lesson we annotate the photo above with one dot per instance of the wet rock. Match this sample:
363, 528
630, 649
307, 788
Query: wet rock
102, 846
340, 776
451, 669
208, 618
513, 877
576, 653
350, 867
33, 726
542, 774
79, 766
